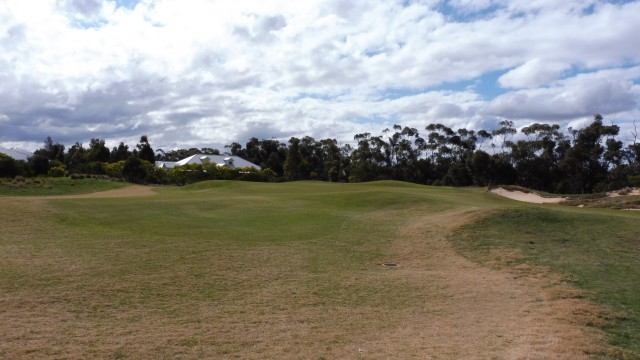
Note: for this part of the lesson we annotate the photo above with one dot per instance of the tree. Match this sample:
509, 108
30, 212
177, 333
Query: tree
293, 161
235, 149
584, 165
135, 169
363, 165
479, 165
97, 151
331, 162
39, 164
120, 153
8, 166
503, 135
51, 151
75, 159
145, 152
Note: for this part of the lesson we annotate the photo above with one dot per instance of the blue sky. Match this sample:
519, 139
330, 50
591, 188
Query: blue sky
209, 72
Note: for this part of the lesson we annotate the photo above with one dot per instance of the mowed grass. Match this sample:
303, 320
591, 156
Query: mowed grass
598, 251
249, 270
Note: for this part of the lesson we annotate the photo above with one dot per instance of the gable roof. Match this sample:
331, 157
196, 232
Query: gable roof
229, 161
17, 154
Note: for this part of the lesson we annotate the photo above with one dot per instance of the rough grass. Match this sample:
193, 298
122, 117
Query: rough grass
598, 251
20, 186
603, 201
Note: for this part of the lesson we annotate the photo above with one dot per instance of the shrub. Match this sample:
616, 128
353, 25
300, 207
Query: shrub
58, 171
8, 166
257, 176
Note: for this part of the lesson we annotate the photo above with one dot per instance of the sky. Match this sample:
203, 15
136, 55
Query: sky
206, 73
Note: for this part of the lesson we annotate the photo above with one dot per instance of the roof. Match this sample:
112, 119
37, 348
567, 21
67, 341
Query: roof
17, 154
229, 161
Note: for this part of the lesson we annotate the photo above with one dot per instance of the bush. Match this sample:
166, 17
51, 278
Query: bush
265, 175
135, 170
8, 166
114, 170
58, 171
634, 180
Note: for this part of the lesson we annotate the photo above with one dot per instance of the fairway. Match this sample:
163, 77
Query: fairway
242, 270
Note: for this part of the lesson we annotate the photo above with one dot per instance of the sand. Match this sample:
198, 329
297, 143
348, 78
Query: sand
527, 197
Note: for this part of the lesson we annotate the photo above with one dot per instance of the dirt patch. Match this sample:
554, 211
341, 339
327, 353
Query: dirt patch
527, 197
128, 191
489, 313
132, 190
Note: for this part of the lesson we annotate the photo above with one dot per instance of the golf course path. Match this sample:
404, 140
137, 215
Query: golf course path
476, 312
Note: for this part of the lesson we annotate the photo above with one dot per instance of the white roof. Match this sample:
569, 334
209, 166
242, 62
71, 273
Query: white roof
16, 153
229, 161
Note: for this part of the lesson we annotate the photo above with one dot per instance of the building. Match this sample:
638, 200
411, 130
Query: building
229, 161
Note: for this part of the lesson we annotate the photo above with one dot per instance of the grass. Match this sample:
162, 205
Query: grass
20, 186
259, 252
598, 251
229, 269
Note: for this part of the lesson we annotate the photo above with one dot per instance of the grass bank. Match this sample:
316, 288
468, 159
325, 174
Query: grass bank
598, 251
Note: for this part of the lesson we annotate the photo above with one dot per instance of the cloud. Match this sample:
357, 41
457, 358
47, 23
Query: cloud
533, 73
213, 72
87, 8
606, 92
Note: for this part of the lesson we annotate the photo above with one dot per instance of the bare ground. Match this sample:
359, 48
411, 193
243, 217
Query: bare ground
131, 190
460, 310
523, 313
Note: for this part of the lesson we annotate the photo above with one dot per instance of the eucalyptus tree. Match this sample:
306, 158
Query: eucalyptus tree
120, 153
51, 151
363, 165
502, 136
331, 160
535, 159
293, 161
98, 151
405, 147
584, 165
75, 158
144, 150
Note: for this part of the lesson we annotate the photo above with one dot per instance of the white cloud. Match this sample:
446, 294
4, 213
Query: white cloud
533, 73
606, 92
220, 70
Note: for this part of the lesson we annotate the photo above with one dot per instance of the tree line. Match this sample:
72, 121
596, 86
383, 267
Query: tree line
541, 157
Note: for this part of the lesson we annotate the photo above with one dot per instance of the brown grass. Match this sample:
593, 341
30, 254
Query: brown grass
496, 312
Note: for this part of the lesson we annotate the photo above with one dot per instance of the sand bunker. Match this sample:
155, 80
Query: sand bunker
527, 197
625, 192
